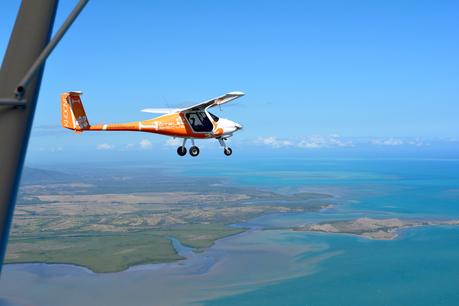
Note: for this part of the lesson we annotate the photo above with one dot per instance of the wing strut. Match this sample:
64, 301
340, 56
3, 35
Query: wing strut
20, 79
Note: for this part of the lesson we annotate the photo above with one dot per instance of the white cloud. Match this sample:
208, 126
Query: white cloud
336, 141
317, 141
417, 143
51, 149
104, 146
399, 142
388, 142
309, 142
274, 142
145, 144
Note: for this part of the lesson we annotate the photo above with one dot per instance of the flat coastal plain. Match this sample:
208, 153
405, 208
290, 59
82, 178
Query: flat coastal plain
120, 218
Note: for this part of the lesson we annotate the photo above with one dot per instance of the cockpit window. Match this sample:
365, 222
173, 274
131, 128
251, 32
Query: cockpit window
215, 118
199, 121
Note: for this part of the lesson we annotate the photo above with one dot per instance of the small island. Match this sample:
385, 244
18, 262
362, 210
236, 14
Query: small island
379, 229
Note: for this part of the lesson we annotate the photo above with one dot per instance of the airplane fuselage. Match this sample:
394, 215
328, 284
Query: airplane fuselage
175, 125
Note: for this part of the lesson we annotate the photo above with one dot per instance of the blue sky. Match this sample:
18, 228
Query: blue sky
316, 73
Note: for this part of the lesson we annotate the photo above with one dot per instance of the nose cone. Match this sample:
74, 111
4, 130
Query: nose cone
229, 126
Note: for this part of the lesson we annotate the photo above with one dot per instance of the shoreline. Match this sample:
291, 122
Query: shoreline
240, 228
136, 267
395, 234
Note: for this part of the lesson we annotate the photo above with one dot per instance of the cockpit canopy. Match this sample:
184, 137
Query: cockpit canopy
200, 122
215, 118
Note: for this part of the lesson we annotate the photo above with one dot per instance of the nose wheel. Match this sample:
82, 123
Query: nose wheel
227, 151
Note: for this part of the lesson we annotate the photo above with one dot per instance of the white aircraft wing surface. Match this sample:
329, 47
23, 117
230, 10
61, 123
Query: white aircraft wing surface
215, 101
160, 110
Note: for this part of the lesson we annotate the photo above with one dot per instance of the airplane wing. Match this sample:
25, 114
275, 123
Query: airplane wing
160, 110
214, 102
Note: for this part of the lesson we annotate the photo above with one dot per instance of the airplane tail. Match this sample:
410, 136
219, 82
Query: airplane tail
72, 111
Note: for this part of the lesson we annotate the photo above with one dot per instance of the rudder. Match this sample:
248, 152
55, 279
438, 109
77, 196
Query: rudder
73, 115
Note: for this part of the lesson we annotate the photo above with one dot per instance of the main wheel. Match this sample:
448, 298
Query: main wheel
228, 151
181, 151
194, 151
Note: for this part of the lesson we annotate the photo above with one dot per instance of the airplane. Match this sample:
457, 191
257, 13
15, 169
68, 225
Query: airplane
194, 122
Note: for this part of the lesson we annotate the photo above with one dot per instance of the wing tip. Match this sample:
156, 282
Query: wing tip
236, 93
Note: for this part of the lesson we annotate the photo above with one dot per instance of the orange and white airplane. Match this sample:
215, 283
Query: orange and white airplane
194, 122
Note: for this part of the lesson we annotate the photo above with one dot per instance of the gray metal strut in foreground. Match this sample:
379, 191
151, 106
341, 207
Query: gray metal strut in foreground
31, 34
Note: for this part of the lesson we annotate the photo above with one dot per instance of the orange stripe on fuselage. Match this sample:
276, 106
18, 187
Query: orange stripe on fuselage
171, 125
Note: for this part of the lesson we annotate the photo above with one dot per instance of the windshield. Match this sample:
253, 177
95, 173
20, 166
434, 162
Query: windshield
215, 118
199, 121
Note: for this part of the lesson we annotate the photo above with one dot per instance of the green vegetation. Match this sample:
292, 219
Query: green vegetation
100, 253
201, 236
77, 223
114, 252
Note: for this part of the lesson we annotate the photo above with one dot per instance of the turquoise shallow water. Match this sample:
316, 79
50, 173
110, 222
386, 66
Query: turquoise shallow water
285, 268
421, 268
404, 187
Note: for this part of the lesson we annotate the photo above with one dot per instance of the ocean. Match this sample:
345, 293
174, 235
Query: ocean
271, 266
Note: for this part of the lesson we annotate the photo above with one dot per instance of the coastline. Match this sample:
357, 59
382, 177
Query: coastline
148, 264
393, 234
198, 246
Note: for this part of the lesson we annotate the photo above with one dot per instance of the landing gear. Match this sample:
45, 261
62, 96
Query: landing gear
227, 150
194, 151
181, 151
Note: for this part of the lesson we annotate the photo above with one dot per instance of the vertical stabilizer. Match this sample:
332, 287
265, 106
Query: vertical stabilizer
72, 111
